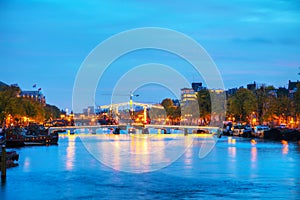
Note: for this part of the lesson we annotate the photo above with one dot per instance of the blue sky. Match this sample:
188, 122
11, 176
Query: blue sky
44, 42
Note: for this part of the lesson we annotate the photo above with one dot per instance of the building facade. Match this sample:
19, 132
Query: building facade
33, 95
187, 95
292, 87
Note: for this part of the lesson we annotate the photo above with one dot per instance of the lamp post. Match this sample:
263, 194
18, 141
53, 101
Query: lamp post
130, 104
130, 100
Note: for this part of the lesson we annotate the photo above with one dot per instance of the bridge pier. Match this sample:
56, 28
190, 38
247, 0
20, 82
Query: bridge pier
145, 131
117, 131
186, 131
168, 131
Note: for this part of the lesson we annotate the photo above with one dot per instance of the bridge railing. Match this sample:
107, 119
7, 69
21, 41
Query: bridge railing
141, 129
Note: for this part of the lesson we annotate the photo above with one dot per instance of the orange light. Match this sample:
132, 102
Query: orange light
253, 142
229, 140
233, 141
284, 142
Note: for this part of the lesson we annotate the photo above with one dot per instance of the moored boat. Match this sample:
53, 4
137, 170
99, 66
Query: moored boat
18, 137
282, 134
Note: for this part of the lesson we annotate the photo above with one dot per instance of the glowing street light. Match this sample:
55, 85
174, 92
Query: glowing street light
130, 100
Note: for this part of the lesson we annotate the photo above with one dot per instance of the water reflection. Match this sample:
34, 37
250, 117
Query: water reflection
70, 152
137, 153
253, 158
232, 152
253, 154
116, 153
285, 149
26, 165
231, 163
140, 146
188, 158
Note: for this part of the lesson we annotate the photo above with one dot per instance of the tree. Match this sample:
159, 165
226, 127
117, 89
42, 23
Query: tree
52, 112
267, 97
10, 104
167, 103
173, 112
242, 104
16, 107
204, 103
284, 108
297, 103
30, 108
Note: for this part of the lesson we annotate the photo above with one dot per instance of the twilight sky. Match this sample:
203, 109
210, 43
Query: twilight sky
45, 42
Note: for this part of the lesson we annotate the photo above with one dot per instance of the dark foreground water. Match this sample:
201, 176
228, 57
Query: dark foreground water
229, 171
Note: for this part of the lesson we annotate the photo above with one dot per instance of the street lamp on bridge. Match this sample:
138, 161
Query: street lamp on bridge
130, 100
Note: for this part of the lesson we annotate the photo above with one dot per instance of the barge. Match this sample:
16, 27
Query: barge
37, 135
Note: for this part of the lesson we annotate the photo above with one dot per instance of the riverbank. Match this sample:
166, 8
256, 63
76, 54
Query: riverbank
264, 132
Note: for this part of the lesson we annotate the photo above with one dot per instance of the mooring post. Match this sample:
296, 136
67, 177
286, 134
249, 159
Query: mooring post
3, 163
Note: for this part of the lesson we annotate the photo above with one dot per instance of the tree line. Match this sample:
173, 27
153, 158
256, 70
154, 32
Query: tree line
265, 104
19, 109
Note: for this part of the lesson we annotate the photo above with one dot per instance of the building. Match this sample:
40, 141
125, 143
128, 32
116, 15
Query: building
197, 86
90, 110
292, 87
217, 91
251, 86
231, 91
33, 95
187, 94
282, 91
85, 111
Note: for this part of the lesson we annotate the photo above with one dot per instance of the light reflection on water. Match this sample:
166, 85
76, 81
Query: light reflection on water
26, 165
69, 171
285, 149
253, 160
136, 153
70, 157
253, 154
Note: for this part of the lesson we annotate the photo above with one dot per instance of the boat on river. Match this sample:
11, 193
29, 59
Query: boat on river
28, 136
280, 133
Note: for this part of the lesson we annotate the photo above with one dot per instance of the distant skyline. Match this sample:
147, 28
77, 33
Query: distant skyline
45, 42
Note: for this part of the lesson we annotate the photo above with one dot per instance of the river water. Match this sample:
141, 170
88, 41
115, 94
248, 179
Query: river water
230, 171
